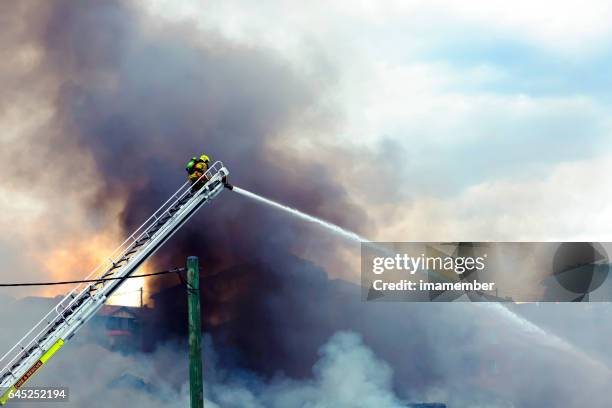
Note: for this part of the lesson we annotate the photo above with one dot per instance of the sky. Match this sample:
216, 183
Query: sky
489, 119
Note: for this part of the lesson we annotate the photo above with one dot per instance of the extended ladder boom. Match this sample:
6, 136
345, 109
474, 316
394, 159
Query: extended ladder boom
80, 305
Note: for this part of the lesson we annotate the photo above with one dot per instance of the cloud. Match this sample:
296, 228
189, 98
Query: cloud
571, 27
441, 96
570, 201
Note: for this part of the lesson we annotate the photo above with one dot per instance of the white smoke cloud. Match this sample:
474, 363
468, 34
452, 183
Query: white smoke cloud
347, 375
570, 202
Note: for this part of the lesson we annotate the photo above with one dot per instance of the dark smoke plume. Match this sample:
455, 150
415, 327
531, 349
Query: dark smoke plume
142, 98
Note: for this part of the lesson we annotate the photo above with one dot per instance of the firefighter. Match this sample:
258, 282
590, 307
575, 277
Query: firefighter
196, 167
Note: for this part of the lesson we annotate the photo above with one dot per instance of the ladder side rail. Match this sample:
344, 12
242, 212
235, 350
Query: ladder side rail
116, 257
85, 311
76, 319
29, 339
70, 296
163, 209
35, 356
49, 324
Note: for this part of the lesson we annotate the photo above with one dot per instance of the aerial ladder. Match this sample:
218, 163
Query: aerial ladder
81, 303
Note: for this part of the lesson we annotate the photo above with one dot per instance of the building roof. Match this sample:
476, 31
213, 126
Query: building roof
120, 311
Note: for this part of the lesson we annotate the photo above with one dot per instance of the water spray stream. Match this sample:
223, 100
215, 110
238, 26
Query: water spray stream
550, 339
520, 322
328, 225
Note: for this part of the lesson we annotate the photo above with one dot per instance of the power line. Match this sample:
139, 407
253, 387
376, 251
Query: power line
176, 270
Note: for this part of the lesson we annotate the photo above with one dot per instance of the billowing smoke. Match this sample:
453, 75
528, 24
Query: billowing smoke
142, 98
132, 99
346, 372
461, 354
158, 379
119, 101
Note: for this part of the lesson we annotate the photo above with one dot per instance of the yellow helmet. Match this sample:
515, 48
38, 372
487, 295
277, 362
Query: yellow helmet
205, 158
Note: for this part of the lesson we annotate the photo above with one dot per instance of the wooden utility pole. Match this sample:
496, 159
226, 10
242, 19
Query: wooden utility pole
196, 391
